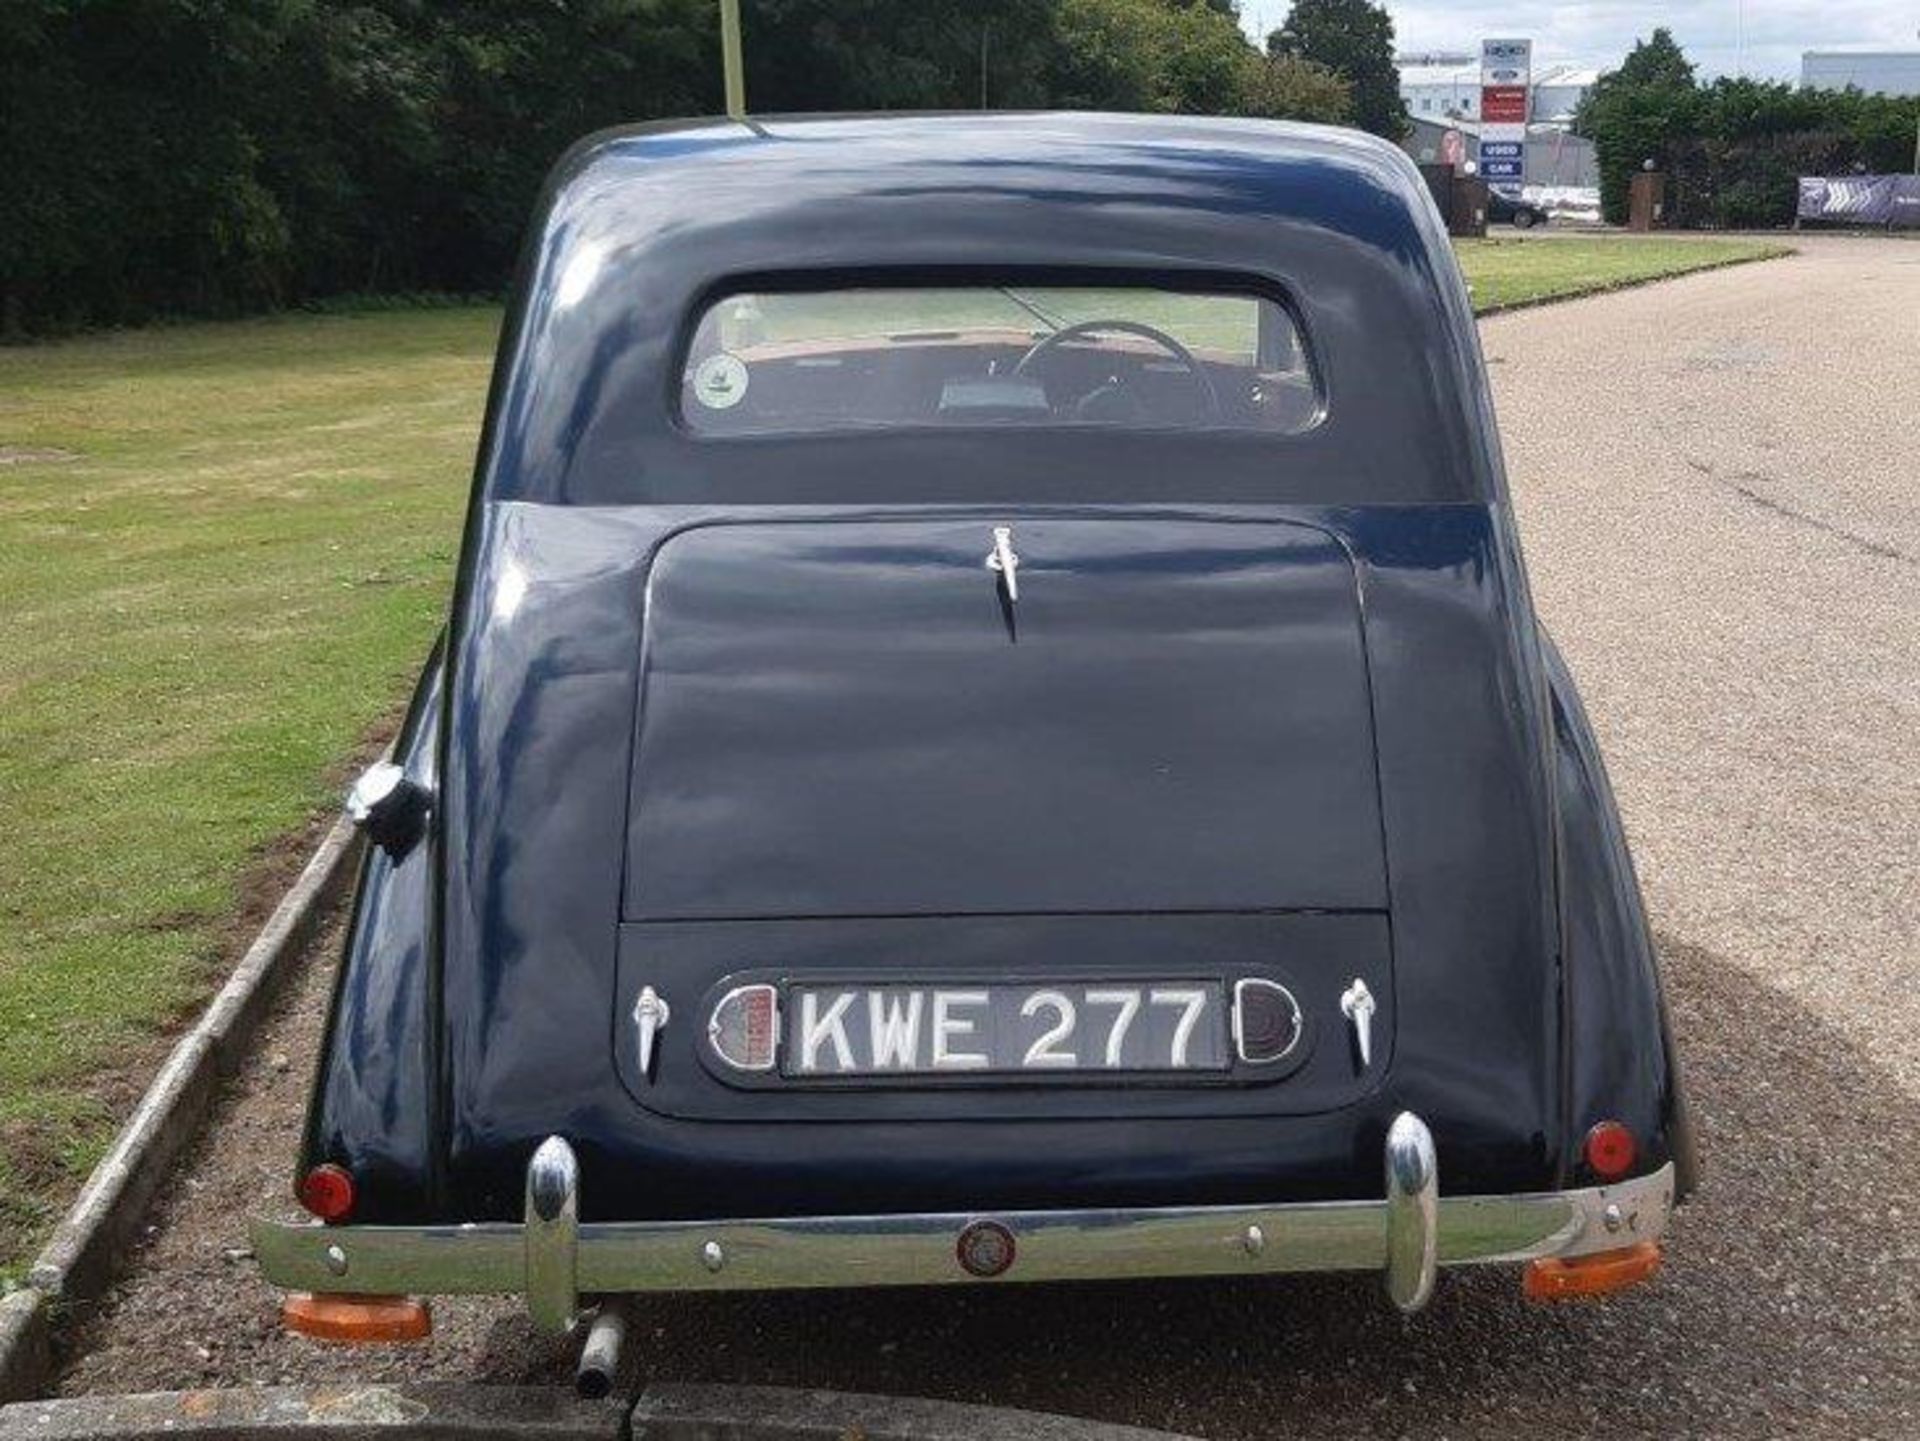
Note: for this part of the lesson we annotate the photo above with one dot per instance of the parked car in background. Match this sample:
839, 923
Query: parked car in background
1514, 210
991, 729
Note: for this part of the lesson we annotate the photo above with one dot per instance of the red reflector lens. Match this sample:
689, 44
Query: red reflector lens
327, 1191
744, 1029
1611, 1150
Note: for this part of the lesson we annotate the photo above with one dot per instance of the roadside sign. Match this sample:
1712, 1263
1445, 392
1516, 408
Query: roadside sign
1514, 56
1506, 81
1503, 104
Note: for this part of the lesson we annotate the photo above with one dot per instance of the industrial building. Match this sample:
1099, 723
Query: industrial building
1878, 72
1445, 85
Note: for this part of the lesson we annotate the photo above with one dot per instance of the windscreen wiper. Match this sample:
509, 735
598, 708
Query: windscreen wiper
1050, 321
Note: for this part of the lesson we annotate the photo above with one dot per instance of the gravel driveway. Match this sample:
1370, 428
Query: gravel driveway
1719, 485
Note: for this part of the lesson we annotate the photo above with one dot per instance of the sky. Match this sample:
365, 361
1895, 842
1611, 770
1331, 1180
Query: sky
1761, 38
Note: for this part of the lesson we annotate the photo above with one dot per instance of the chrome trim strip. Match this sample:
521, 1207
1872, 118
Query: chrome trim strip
843, 1251
552, 1237
1413, 1212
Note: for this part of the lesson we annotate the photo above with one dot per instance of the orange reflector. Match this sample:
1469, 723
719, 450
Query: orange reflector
328, 1317
1556, 1278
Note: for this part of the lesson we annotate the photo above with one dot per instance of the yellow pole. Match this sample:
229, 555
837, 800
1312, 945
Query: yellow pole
730, 59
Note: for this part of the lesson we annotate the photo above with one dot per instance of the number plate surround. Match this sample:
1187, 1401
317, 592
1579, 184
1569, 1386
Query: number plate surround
694, 963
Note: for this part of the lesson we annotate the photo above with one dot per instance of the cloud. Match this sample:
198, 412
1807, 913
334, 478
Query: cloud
1765, 41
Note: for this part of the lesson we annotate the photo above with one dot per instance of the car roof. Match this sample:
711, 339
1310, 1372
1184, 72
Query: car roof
640, 226
1050, 160
878, 143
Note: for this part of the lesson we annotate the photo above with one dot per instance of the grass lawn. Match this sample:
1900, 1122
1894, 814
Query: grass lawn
1508, 271
233, 576
223, 551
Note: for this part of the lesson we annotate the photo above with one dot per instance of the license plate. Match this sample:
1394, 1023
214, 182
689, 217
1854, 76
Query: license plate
1029, 1029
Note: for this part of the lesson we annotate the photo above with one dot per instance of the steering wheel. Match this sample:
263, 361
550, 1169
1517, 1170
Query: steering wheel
1047, 344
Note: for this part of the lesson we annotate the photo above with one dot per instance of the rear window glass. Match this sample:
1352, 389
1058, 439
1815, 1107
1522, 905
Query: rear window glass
996, 355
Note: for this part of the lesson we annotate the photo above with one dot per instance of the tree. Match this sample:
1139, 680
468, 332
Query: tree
1201, 61
341, 114
1656, 61
1102, 55
1280, 87
128, 173
214, 156
514, 85
1636, 114
885, 55
1740, 161
1156, 55
1353, 39
1733, 149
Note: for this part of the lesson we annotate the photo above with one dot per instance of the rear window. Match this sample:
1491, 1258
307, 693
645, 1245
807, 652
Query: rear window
996, 355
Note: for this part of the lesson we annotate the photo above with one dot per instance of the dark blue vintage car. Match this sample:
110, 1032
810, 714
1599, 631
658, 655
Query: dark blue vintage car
991, 729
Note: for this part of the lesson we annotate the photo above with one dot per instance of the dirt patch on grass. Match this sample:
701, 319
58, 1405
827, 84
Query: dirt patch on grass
31, 1147
34, 455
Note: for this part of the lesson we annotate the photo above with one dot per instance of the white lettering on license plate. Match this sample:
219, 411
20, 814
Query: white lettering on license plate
937, 1030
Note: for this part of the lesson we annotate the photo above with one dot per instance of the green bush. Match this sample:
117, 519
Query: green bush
1734, 149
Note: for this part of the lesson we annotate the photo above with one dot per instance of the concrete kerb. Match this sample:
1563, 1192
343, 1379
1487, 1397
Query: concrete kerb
777, 1413
337, 1412
26, 1342
521, 1413
80, 1260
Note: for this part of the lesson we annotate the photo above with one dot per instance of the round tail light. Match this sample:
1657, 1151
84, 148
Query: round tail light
327, 1191
1611, 1150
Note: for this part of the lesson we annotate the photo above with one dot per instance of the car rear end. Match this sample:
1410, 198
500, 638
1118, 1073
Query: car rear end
973, 850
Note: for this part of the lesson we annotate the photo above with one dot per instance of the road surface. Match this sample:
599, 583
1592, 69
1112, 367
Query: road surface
1718, 481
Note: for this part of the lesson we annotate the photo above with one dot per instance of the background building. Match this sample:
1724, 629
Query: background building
1878, 72
1558, 91
1436, 86
1439, 85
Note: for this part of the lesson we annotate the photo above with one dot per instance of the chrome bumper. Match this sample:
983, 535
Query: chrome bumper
554, 1259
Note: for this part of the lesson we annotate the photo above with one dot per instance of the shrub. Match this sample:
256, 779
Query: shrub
1736, 148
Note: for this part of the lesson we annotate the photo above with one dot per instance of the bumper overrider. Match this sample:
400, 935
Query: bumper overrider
554, 1259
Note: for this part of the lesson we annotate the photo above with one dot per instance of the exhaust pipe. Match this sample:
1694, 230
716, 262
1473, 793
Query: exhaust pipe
600, 1358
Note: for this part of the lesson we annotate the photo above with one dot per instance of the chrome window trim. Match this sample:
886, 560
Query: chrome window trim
1404, 1236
